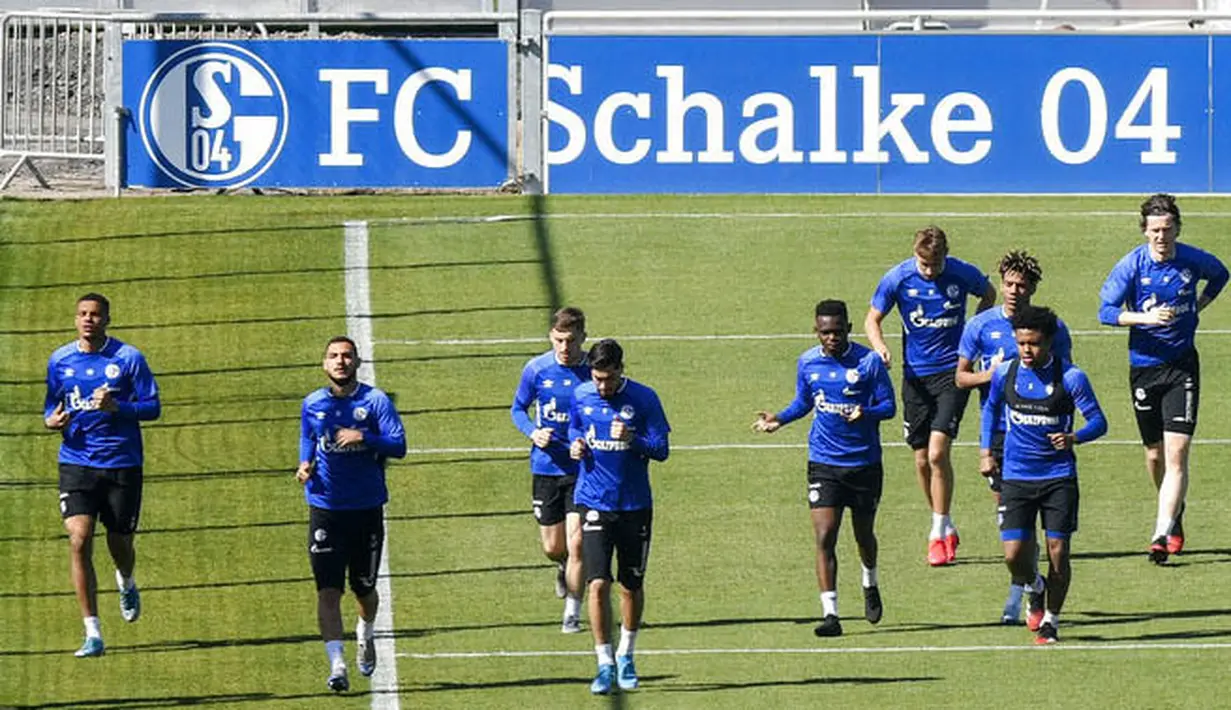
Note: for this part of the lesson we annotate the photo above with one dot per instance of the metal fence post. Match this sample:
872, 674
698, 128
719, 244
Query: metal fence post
113, 88
533, 102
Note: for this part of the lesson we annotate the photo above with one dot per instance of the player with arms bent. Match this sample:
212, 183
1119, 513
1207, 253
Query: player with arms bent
98, 391
348, 431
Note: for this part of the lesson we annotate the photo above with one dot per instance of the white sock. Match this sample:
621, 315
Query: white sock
938, 526
125, 583
950, 529
628, 642
1163, 527
829, 603
92, 629
1050, 618
603, 651
572, 606
869, 577
365, 630
333, 649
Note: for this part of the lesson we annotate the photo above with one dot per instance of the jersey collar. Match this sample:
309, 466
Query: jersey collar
840, 355
106, 344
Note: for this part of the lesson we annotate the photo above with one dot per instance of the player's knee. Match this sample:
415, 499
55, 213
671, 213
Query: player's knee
631, 579
598, 585
80, 541
826, 537
938, 456
329, 595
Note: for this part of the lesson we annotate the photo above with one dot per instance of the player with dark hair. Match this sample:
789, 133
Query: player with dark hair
99, 390
847, 387
930, 290
547, 384
1153, 291
1037, 393
987, 340
348, 430
617, 426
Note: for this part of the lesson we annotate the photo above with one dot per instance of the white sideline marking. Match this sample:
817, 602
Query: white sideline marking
359, 302
753, 447
828, 651
669, 337
939, 214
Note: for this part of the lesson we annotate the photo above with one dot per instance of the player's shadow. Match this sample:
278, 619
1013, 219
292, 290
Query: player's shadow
1105, 618
172, 701
519, 683
737, 621
1107, 554
803, 682
274, 320
257, 273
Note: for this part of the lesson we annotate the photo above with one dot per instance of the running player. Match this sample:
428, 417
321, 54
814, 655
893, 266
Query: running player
1153, 291
988, 340
617, 426
99, 390
1038, 393
930, 290
847, 386
547, 384
348, 430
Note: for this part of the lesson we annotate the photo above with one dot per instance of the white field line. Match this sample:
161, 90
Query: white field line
670, 337
922, 214
1072, 647
358, 302
755, 447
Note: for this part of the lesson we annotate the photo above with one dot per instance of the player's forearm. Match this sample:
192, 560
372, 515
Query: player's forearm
142, 410
307, 448
969, 379
652, 445
1096, 423
796, 409
1131, 318
522, 420
881, 409
393, 447
872, 328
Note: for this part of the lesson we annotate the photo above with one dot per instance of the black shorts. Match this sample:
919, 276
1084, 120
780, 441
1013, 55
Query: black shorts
854, 487
627, 533
346, 540
1055, 499
113, 495
1165, 397
553, 498
931, 403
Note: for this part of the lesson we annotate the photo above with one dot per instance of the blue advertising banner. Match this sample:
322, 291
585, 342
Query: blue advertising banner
317, 113
908, 113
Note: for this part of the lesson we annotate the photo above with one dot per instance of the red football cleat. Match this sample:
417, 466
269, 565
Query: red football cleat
951, 543
937, 554
1175, 544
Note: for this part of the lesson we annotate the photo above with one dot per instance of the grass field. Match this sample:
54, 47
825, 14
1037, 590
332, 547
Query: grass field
232, 299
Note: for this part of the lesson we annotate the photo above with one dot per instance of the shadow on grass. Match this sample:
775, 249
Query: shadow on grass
179, 700
803, 682
520, 683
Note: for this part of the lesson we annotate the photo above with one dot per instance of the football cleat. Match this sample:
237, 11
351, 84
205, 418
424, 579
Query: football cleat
365, 657
338, 682
951, 542
626, 673
829, 627
601, 685
130, 604
571, 625
92, 647
873, 609
937, 555
1158, 550
1047, 635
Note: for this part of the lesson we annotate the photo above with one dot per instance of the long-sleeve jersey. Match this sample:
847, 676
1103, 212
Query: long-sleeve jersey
990, 333
933, 312
1138, 283
832, 387
615, 475
349, 477
94, 437
1042, 402
548, 386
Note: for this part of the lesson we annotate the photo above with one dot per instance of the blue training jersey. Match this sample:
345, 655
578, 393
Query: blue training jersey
1138, 283
990, 333
615, 475
350, 477
548, 386
833, 387
1028, 452
93, 437
933, 312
